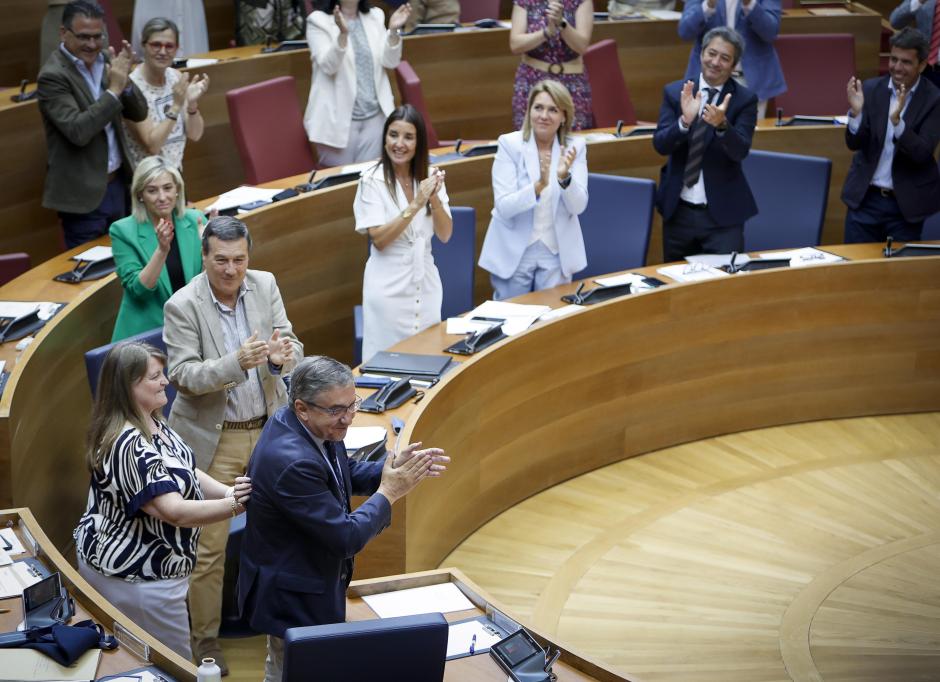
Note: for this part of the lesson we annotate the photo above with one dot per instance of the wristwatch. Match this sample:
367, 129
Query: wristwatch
168, 112
563, 24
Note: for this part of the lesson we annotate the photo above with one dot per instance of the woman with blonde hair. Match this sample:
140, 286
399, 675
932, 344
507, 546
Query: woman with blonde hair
157, 249
534, 239
136, 541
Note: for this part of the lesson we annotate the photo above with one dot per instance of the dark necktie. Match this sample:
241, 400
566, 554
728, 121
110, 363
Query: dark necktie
693, 163
934, 50
332, 455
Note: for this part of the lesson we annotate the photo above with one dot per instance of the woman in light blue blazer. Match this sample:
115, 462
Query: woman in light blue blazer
539, 189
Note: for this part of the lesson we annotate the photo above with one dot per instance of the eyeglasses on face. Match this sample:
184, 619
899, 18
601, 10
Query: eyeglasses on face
87, 37
338, 410
158, 46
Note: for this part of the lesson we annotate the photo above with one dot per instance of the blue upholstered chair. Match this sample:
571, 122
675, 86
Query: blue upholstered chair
791, 191
410, 648
455, 261
932, 228
616, 224
95, 357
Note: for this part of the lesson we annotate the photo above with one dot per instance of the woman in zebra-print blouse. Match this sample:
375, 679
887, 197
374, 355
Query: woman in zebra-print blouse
137, 540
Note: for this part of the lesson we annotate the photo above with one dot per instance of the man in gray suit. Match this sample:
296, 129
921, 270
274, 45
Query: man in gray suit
924, 15
229, 343
83, 94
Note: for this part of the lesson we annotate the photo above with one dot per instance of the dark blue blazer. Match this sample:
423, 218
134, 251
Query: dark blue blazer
914, 169
730, 201
300, 538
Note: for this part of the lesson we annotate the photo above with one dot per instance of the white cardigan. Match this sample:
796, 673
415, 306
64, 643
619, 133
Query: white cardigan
333, 87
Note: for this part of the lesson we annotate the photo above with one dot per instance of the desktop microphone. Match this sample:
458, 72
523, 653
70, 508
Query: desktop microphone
779, 117
888, 252
619, 127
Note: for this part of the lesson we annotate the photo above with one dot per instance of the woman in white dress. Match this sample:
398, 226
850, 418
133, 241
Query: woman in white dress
399, 204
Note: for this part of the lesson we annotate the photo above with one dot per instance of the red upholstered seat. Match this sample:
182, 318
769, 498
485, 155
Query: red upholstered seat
816, 68
13, 265
409, 87
269, 130
609, 93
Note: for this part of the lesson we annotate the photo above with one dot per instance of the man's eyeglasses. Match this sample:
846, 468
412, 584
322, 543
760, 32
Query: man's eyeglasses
157, 46
352, 408
87, 37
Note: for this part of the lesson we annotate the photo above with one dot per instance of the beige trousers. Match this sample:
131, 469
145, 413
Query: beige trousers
205, 584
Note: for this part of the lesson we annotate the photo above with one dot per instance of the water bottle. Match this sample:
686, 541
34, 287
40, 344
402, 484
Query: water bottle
208, 671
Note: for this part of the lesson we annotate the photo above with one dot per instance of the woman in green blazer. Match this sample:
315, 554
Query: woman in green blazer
157, 248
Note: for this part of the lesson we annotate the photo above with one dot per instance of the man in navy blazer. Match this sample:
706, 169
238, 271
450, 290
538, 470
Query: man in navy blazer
757, 22
300, 533
893, 184
705, 199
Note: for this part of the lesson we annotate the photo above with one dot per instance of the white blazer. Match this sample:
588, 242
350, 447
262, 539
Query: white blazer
333, 85
515, 172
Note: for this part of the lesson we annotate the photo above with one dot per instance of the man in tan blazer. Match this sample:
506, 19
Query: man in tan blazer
83, 94
229, 344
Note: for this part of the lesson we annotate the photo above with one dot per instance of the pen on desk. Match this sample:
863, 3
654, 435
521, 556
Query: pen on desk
473, 644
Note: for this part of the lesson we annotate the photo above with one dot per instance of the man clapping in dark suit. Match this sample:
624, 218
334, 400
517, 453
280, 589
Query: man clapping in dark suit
83, 94
706, 129
301, 534
894, 128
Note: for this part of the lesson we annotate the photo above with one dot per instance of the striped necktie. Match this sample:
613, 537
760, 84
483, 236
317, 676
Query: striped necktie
934, 36
693, 163
333, 457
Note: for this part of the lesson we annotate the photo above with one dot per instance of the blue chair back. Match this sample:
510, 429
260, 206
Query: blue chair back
95, 358
791, 191
931, 228
455, 261
616, 224
409, 648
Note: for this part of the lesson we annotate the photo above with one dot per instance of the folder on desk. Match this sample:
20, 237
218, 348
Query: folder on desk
406, 364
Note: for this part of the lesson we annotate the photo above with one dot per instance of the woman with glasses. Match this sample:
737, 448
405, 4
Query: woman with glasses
400, 204
188, 15
172, 98
136, 541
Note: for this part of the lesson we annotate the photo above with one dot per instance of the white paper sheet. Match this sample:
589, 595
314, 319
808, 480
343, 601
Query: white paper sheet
806, 256
518, 316
630, 278
16, 547
243, 195
464, 325
441, 598
198, 62
94, 254
15, 578
460, 636
563, 311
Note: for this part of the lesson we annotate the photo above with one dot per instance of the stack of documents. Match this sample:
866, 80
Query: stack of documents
636, 282
516, 317
16, 577
95, 254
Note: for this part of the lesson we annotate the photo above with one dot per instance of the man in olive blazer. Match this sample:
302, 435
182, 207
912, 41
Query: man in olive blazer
83, 94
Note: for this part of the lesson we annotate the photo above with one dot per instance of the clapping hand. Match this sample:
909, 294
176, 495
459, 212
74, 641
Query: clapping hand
241, 491
197, 88
439, 460
902, 93
164, 230
565, 159
689, 103
279, 349
119, 68
180, 89
430, 186
340, 20
714, 115
553, 16
252, 352
855, 96
399, 17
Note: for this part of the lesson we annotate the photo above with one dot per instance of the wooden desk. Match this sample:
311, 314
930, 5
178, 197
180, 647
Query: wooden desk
451, 66
479, 668
88, 604
649, 371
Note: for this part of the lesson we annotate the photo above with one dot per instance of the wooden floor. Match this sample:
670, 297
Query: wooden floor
806, 552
